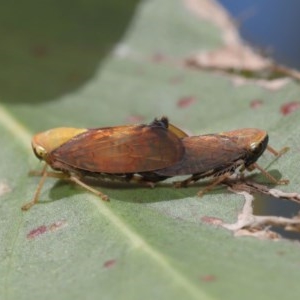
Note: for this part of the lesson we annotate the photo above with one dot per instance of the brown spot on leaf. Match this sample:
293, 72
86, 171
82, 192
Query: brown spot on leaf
109, 263
289, 107
44, 229
176, 79
208, 278
135, 119
256, 103
158, 57
211, 220
186, 101
36, 232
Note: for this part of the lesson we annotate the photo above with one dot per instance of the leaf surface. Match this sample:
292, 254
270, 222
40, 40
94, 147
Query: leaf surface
144, 243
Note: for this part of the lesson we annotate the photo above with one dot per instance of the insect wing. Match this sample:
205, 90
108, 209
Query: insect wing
123, 149
177, 131
205, 154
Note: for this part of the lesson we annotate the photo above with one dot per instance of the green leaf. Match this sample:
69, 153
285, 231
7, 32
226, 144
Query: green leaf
144, 243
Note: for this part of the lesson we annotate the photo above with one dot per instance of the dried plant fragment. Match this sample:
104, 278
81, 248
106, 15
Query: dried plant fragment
252, 187
235, 57
230, 57
249, 224
4, 188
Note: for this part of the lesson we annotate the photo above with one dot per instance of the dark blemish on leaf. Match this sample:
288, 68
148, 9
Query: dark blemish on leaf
39, 51
281, 253
109, 263
208, 278
186, 101
36, 232
289, 107
135, 119
211, 220
256, 103
43, 229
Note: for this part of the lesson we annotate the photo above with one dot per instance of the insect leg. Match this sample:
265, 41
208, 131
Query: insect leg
277, 153
215, 182
268, 175
196, 177
89, 188
188, 181
38, 190
142, 181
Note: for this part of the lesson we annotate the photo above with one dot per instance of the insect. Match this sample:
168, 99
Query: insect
119, 151
219, 155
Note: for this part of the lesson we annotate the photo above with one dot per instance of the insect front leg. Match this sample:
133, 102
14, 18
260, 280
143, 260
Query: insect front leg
255, 165
268, 175
44, 174
38, 190
277, 153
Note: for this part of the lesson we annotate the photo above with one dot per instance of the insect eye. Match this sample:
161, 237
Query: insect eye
259, 147
254, 146
40, 152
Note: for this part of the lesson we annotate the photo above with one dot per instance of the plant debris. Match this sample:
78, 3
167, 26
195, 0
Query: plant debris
235, 58
249, 224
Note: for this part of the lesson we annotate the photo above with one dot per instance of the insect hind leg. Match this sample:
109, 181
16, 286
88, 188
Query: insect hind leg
188, 181
89, 188
215, 182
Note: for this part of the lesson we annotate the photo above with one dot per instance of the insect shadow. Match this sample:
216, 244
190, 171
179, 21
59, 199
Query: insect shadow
141, 193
